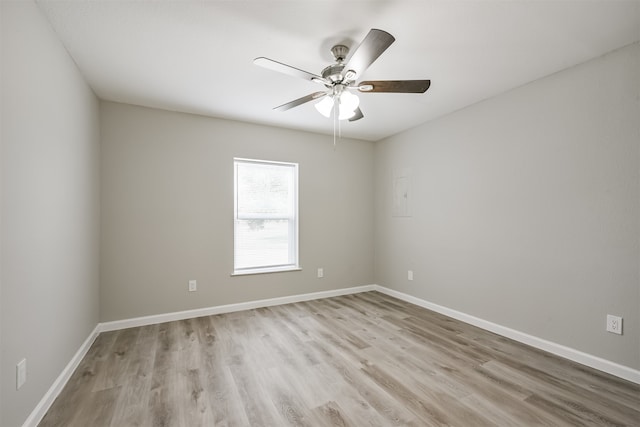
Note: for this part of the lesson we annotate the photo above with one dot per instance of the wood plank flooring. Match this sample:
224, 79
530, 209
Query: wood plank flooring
356, 360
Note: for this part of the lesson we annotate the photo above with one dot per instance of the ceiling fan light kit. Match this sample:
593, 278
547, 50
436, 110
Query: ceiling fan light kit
341, 102
339, 79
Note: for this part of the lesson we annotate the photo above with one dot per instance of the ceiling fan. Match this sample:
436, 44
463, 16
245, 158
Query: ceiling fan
340, 78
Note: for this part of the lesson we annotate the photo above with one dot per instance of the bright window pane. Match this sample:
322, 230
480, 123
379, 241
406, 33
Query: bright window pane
265, 228
264, 190
262, 243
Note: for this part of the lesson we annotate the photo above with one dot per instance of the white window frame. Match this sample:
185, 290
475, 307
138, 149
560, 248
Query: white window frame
293, 222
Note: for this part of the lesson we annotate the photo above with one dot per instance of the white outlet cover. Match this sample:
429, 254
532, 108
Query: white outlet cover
320, 273
410, 275
614, 324
193, 286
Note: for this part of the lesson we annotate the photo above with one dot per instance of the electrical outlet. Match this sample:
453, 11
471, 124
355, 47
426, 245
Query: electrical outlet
614, 324
193, 286
410, 275
320, 273
21, 373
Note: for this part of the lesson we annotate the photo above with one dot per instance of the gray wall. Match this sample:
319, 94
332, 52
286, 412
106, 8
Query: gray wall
50, 208
525, 208
167, 211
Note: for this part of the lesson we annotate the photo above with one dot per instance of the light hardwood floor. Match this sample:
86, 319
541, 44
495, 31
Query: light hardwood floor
357, 360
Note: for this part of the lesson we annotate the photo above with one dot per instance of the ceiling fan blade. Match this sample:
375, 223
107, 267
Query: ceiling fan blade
376, 42
357, 116
395, 86
288, 69
300, 101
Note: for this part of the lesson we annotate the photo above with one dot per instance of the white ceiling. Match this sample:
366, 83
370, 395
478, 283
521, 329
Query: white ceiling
197, 56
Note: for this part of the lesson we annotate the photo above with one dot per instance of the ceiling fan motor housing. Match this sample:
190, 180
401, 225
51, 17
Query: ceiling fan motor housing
333, 73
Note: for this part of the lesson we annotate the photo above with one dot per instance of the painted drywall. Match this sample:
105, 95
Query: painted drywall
167, 211
524, 209
50, 208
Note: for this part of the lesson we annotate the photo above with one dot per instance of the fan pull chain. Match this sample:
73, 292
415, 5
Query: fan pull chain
336, 121
339, 129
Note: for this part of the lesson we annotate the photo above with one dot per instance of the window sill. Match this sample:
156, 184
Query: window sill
265, 271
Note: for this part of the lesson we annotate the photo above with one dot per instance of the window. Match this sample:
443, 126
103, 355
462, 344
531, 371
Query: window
266, 216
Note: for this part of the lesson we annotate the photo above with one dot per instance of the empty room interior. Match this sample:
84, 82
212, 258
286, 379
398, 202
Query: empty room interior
320, 213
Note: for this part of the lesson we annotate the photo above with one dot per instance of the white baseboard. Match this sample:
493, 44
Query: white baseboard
586, 359
228, 308
595, 362
566, 352
47, 400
